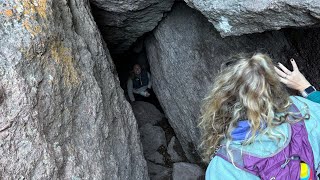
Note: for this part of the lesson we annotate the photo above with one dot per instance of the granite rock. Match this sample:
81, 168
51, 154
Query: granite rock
239, 17
62, 111
185, 53
121, 22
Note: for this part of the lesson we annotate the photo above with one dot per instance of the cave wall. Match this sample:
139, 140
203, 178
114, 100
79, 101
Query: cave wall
62, 112
122, 22
240, 17
185, 52
306, 42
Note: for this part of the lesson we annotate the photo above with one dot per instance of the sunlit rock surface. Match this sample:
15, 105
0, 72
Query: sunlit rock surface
239, 17
62, 112
185, 52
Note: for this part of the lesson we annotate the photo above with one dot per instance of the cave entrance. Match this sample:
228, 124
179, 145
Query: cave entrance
201, 54
125, 49
161, 147
125, 62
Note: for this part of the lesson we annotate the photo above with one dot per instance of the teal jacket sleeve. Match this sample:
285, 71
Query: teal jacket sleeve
314, 96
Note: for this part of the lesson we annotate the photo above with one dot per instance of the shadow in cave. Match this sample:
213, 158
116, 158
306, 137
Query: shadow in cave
124, 64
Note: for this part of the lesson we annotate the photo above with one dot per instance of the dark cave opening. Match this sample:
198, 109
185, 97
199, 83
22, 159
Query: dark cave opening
154, 128
306, 52
124, 64
125, 58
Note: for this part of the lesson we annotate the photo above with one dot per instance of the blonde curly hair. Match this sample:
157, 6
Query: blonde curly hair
249, 90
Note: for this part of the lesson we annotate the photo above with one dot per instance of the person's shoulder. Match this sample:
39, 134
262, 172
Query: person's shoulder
216, 168
301, 102
219, 168
129, 81
313, 109
312, 123
307, 106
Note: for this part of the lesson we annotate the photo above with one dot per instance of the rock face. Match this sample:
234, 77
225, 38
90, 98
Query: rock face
185, 52
62, 112
121, 22
172, 150
152, 138
146, 113
231, 17
187, 171
158, 172
306, 42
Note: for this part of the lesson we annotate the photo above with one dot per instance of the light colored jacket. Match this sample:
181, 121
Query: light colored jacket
141, 91
264, 146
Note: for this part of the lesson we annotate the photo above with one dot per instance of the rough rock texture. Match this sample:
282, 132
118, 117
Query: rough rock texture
187, 171
172, 150
185, 52
155, 157
152, 137
307, 44
158, 172
121, 22
146, 113
62, 112
239, 17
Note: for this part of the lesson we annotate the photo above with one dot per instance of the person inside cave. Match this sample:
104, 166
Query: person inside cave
251, 127
138, 84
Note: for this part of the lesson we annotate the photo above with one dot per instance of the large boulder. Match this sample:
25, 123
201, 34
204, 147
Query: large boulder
146, 112
155, 157
158, 172
185, 52
239, 17
121, 22
187, 171
62, 112
174, 150
152, 137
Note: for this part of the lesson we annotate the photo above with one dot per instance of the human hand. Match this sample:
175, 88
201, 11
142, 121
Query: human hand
294, 79
145, 93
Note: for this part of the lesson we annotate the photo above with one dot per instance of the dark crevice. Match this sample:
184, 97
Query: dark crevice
306, 52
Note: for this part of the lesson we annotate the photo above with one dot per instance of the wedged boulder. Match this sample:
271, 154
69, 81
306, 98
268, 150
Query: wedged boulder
231, 17
187, 171
62, 112
185, 52
146, 113
121, 22
152, 137
173, 149
158, 172
155, 157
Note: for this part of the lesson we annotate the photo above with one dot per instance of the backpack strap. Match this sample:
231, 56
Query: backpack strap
237, 158
237, 154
